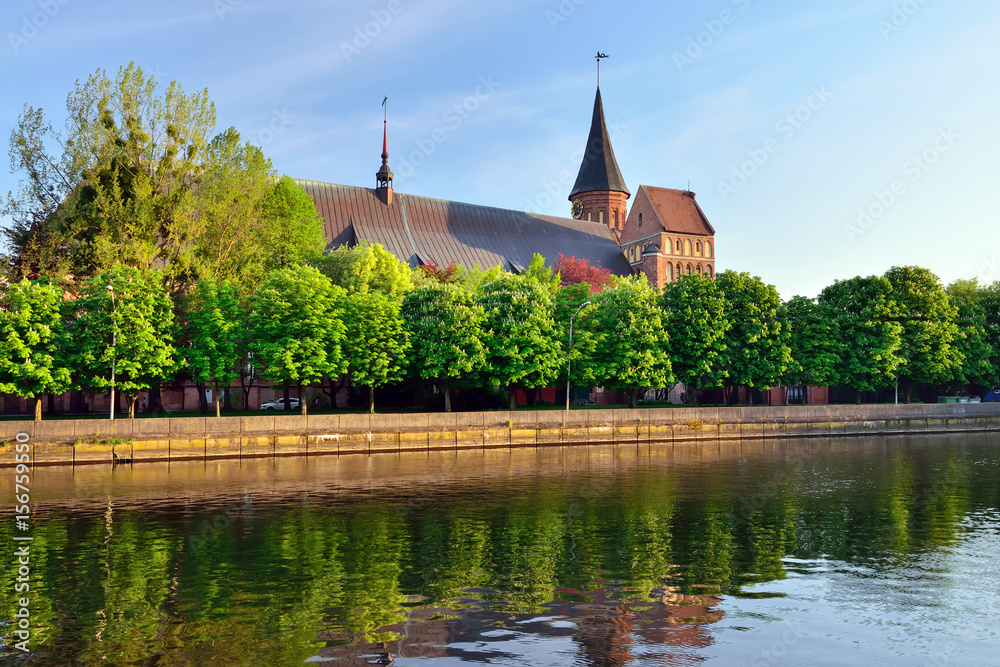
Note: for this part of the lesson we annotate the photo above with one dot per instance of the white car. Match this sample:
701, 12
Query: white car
293, 404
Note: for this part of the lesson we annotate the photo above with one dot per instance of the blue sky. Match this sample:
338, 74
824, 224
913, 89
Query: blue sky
824, 140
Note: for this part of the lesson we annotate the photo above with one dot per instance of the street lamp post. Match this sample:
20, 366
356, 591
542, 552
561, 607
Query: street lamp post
114, 351
569, 356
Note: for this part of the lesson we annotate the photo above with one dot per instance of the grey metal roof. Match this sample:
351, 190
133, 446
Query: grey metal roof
599, 169
420, 229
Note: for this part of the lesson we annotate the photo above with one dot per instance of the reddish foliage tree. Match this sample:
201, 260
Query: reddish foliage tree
573, 271
449, 274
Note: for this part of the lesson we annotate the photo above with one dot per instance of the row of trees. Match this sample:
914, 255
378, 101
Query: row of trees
143, 245
361, 316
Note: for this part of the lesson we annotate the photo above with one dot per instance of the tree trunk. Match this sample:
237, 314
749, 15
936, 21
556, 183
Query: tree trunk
857, 396
202, 398
154, 400
302, 402
633, 401
512, 395
247, 385
694, 395
217, 397
371, 400
228, 405
530, 395
131, 405
287, 395
447, 396
38, 409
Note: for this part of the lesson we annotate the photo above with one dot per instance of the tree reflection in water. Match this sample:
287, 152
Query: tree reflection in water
607, 552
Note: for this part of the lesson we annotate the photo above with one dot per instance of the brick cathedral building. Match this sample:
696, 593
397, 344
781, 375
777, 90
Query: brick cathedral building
664, 236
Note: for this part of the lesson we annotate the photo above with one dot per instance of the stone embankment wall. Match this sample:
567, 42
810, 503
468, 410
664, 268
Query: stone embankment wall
56, 442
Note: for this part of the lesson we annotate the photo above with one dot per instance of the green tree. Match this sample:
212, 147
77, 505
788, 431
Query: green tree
568, 301
757, 353
104, 191
521, 347
295, 328
928, 354
631, 351
814, 343
694, 317
242, 222
980, 358
445, 327
547, 278
213, 333
122, 324
32, 362
867, 337
376, 342
366, 268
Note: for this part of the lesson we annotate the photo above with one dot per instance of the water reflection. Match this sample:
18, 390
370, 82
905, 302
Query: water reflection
588, 556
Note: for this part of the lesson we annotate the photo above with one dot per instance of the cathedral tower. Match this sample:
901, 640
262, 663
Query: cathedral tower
599, 193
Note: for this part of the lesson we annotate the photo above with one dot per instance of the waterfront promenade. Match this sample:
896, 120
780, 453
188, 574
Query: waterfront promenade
92, 441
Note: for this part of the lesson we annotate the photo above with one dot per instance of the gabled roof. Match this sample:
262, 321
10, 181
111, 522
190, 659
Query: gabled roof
599, 170
419, 230
678, 211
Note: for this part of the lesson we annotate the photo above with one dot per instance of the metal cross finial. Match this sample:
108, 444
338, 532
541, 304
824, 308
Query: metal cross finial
598, 57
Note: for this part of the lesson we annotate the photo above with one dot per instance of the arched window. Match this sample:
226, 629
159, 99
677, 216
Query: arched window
677, 247
640, 219
689, 269
670, 272
710, 273
697, 270
668, 246
697, 248
708, 248
680, 272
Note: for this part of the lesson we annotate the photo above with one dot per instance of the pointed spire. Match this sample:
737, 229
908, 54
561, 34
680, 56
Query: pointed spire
599, 170
383, 178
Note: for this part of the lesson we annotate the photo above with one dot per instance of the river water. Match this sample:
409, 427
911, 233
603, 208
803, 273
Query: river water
878, 551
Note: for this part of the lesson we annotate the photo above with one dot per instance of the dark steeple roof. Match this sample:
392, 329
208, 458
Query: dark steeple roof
599, 170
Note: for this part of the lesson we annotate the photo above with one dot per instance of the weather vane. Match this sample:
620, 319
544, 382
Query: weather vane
599, 56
